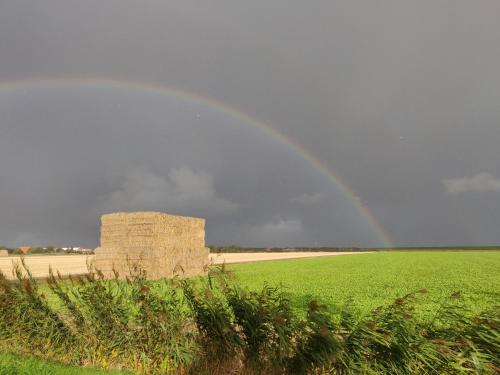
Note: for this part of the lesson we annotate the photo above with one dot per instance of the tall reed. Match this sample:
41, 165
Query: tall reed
213, 325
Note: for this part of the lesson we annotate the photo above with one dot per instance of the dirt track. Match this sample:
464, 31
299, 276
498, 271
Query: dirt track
77, 264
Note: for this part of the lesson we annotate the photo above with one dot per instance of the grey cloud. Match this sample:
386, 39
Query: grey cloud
31, 239
480, 182
390, 96
182, 189
278, 231
308, 199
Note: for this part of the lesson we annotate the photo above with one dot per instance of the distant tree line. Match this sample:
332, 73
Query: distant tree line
238, 249
42, 250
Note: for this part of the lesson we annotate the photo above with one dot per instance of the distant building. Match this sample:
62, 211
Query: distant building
24, 249
77, 249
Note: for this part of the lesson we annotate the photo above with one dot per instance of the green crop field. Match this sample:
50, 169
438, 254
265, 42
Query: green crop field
378, 278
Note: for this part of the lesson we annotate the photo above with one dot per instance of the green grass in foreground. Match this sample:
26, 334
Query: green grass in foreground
11, 364
378, 278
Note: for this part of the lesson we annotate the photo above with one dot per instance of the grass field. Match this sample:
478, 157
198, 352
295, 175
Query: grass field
378, 278
11, 364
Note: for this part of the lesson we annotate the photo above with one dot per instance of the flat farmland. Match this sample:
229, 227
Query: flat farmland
368, 279
372, 280
77, 264
39, 264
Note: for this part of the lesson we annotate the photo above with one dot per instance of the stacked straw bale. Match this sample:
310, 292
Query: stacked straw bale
162, 245
4, 253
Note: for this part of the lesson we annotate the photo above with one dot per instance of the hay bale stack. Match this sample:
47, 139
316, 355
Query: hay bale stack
4, 253
162, 245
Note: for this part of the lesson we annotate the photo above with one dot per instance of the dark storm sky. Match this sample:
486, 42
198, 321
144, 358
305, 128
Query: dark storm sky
400, 99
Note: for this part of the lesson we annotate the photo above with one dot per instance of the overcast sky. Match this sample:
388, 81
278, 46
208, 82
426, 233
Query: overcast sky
399, 99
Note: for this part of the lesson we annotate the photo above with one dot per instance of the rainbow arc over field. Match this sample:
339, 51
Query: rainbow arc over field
138, 86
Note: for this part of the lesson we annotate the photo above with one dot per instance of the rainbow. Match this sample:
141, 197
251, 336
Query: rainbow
95, 82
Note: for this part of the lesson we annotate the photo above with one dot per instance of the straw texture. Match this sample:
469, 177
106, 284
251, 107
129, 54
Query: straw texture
162, 245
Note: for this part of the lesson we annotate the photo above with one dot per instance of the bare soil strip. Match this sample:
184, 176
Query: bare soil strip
257, 257
77, 264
